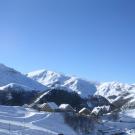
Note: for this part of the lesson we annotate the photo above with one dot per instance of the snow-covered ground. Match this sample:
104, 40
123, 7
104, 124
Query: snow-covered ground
124, 123
24, 121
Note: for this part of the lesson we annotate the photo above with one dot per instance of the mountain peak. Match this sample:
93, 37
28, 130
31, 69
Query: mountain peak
58, 80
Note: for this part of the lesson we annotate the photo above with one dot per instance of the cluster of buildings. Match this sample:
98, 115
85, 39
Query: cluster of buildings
52, 107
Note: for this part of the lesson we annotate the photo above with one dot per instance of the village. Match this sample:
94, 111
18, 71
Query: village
83, 120
52, 107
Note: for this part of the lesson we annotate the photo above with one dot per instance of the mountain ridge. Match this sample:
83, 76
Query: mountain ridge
58, 80
9, 75
44, 80
81, 86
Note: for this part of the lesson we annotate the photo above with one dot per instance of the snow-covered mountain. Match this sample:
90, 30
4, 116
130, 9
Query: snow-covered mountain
15, 86
11, 76
118, 97
113, 90
41, 80
57, 80
81, 86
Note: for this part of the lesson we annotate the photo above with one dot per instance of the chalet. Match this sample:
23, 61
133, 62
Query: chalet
48, 107
66, 108
84, 111
100, 110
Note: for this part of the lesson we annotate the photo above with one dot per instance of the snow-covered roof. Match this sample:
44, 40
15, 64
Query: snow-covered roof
96, 110
50, 104
104, 108
83, 109
63, 106
66, 107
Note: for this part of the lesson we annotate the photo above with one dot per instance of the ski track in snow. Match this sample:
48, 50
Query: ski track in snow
24, 121
27, 125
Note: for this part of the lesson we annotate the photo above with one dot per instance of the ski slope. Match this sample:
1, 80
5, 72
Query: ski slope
19, 120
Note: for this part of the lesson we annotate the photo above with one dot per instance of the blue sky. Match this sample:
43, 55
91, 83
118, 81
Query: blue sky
93, 39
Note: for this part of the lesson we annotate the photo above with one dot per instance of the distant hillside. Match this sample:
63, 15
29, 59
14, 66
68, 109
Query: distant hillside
9, 75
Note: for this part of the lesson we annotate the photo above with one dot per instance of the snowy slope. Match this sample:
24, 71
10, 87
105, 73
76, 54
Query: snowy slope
18, 120
122, 123
15, 86
9, 75
53, 79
